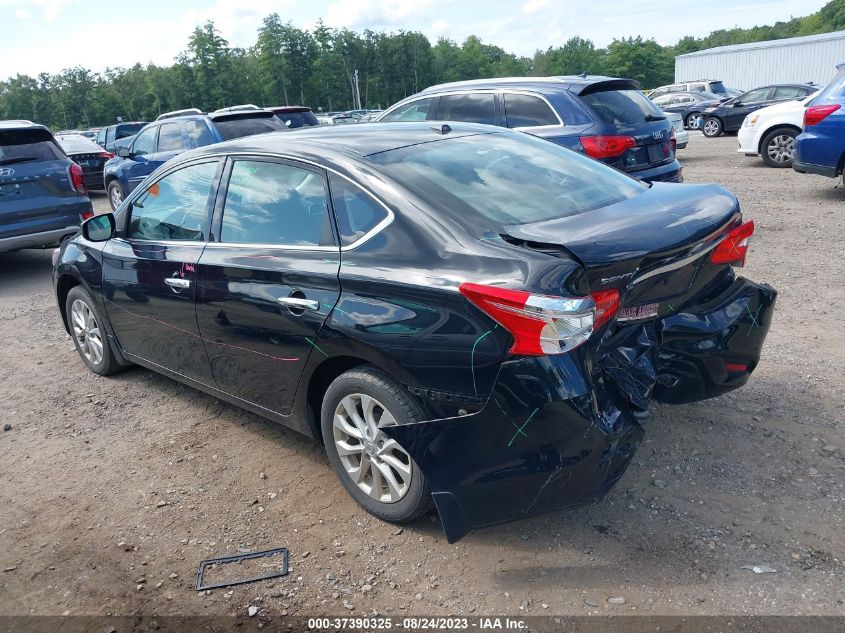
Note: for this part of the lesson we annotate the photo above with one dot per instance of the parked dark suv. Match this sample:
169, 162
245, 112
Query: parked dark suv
729, 115
42, 191
608, 119
173, 133
108, 136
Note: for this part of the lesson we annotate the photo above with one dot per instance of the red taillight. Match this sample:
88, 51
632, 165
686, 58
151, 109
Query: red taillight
734, 247
814, 114
106, 155
607, 146
539, 324
607, 303
86, 216
736, 368
77, 178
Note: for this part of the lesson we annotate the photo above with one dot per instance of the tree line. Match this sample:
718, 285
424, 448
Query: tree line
288, 65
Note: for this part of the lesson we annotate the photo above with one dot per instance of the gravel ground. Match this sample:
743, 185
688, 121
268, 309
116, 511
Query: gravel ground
114, 489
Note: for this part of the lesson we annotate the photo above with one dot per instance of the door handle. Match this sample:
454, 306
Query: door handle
175, 282
299, 302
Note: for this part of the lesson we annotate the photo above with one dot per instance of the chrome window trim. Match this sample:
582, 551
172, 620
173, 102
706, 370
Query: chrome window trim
378, 228
434, 95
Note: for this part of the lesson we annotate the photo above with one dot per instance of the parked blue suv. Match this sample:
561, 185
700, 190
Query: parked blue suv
606, 118
820, 149
173, 133
42, 192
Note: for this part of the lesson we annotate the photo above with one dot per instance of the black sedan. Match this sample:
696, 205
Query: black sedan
88, 155
464, 315
688, 104
729, 115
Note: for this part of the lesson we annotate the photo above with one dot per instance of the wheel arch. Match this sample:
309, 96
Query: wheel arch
320, 379
773, 128
840, 166
64, 285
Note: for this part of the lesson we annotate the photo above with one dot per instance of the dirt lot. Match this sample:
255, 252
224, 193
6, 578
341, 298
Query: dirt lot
755, 477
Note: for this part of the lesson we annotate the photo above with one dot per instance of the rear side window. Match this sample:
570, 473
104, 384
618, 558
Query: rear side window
621, 107
170, 138
356, 212
24, 146
833, 90
199, 134
471, 108
174, 207
717, 87
528, 111
414, 111
276, 203
239, 127
789, 92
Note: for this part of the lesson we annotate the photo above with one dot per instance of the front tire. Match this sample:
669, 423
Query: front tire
777, 147
89, 335
712, 127
116, 194
375, 470
692, 120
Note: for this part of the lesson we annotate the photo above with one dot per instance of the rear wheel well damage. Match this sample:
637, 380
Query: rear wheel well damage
320, 380
65, 284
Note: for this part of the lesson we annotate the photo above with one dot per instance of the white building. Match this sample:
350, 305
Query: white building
812, 58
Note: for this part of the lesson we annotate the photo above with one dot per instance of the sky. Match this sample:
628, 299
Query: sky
49, 35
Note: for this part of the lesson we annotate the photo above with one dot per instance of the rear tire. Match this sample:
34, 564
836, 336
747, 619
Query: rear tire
712, 127
89, 334
691, 121
375, 470
777, 147
116, 194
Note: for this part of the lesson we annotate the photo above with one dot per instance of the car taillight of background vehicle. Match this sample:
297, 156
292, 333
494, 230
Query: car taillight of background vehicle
106, 155
541, 324
815, 114
607, 146
673, 141
734, 247
77, 178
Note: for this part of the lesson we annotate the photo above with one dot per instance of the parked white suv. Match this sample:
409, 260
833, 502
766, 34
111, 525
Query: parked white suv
770, 132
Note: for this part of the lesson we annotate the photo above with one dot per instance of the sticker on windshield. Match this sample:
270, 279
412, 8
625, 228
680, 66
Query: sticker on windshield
638, 312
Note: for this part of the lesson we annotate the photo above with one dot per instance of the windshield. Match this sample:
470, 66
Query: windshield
622, 107
125, 130
717, 87
230, 128
23, 146
493, 180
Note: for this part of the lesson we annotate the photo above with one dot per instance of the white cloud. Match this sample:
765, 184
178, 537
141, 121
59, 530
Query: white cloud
532, 6
44, 9
362, 14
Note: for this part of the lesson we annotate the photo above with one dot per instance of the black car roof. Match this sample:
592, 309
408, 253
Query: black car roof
345, 141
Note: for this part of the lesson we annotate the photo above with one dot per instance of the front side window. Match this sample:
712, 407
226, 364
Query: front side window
145, 142
414, 111
170, 138
174, 207
276, 203
528, 111
471, 108
356, 212
760, 94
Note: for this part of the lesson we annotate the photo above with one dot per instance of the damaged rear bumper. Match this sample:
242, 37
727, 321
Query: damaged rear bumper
559, 431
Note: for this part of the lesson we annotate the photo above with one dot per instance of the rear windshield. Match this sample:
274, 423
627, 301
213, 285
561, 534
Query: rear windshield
833, 90
247, 126
23, 146
718, 88
78, 144
298, 119
128, 129
494, 180
621, 107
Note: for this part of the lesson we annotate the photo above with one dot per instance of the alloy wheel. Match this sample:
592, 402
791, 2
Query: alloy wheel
378, 465
86, 330
711, 127
780, 148
116, 197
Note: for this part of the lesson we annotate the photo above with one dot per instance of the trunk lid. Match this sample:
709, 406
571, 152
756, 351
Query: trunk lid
652, 247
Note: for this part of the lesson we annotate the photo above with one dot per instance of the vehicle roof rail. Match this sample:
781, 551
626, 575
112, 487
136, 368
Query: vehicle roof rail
175, 113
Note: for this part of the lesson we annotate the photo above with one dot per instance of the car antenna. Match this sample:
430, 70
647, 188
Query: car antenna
583, 75
441, 129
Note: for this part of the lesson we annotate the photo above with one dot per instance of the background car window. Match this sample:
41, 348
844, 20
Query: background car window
174, 207
128, 129
298, 119
170, 138
698, 86
760, 94
788, 92
663, 100
240, 126
414, 111
659, 92
355, 210
23, 146
199, 134
273, 203
528, 111
471, 108
101, 137
145, 142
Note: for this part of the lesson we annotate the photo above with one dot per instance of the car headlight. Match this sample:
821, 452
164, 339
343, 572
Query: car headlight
751, 121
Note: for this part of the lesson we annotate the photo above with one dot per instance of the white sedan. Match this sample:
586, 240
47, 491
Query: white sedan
770, 132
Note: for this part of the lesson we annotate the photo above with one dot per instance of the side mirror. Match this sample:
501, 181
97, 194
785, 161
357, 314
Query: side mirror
100, 228
123, 152
736, 104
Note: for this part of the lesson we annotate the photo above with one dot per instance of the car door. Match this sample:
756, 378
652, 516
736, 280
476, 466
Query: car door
269, 278
149, 269
745, 104
137, 165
